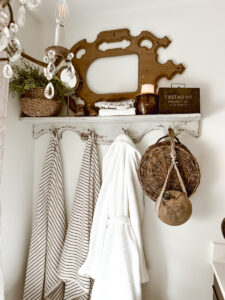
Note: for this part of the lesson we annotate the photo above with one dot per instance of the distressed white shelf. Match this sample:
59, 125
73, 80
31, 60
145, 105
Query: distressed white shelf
107, 128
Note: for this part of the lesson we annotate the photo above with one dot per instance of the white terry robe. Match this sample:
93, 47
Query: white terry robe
116, 258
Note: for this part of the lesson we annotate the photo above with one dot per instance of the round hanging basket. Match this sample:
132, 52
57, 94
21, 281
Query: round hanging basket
34, 104
155, 164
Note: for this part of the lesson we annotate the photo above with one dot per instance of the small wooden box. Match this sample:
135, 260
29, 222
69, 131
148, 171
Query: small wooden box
179, 100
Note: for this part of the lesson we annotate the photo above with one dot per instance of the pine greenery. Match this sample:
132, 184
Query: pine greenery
27, 77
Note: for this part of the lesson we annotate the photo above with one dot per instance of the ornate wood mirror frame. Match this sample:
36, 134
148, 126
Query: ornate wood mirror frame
149, 69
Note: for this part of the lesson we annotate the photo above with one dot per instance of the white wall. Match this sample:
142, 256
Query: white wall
17, 183
178, 258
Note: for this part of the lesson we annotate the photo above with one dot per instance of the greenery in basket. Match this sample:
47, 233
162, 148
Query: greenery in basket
27, 77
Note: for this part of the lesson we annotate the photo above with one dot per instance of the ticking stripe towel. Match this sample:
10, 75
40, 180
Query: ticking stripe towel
48, 234
121, 105
77, 240
117, 112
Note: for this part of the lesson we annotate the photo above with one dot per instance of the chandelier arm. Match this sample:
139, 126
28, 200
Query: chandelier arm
23, 54
33, 60
4, 2
58, 61
39, 62
11, 12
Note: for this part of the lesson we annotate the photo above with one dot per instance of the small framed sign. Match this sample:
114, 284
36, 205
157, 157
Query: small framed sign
179, 100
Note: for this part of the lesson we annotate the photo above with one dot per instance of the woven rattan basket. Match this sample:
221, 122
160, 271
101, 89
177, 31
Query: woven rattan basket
34, 104
155, 164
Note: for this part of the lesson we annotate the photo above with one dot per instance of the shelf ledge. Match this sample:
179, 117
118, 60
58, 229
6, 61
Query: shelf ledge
107, 128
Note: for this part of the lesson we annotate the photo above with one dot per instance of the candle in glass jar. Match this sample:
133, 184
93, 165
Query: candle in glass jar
147, 89
147, 101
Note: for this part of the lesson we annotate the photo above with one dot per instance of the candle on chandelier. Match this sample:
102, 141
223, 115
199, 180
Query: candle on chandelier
62, 14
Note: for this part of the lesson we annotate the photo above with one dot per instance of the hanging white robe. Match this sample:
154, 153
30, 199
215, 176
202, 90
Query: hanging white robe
116, 258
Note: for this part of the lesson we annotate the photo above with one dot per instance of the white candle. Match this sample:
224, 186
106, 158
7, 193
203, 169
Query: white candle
59, 35
147, 89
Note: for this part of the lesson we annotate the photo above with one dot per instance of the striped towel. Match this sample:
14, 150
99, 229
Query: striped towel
48, 234
77, 240
117, 112
124, 104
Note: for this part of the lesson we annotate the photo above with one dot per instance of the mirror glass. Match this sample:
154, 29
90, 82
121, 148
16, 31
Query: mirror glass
113, 75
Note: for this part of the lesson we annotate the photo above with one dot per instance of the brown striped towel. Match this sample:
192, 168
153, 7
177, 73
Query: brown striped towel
48, 233
77, 240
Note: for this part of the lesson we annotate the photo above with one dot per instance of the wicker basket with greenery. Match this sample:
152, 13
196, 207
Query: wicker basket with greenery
29, 84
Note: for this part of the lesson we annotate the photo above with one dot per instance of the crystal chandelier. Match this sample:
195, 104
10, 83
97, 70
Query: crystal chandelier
9, 43
56, 55
57, 52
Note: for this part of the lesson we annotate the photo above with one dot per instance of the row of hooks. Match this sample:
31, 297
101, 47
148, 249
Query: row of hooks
84, 135
107, 129
59, 132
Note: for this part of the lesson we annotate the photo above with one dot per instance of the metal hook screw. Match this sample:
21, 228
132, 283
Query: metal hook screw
124, 130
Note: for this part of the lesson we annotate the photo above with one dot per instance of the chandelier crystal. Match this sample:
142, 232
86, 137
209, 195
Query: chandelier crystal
33, 4
9, 43
21, 17
56, 55
4, 38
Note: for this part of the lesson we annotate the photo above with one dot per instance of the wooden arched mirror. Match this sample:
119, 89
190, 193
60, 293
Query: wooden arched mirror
145, 46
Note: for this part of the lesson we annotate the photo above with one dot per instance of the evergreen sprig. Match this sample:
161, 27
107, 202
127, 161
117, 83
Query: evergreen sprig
27, 77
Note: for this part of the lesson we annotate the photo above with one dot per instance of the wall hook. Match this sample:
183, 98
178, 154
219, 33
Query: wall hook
124, 130
54, 131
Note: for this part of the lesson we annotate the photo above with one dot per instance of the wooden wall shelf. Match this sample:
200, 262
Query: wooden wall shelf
107, 128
